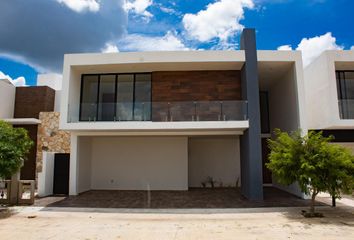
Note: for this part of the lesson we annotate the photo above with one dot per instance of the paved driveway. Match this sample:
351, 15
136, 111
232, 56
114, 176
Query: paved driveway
194, 198
262, 223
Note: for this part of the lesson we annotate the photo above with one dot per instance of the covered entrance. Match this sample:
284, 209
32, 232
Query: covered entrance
156, 163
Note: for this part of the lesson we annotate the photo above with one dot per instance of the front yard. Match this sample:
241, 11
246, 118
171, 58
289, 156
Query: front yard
258, 223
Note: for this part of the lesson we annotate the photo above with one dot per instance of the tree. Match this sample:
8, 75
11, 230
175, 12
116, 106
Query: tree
313, 162
14, 146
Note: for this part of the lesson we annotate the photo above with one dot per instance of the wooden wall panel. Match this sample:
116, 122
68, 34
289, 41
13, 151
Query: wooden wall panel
180, 89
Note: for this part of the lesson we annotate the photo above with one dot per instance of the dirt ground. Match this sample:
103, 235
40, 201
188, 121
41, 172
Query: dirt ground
256, 223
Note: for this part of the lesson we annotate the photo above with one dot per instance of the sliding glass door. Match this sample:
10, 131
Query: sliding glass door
345, 87
142, 103
116, 97
88, 106
125, 97
106, 98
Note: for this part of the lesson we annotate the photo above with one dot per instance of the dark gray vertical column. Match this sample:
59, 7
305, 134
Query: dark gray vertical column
251, 148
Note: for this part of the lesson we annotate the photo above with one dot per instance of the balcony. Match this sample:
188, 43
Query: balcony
346, 109
196, 111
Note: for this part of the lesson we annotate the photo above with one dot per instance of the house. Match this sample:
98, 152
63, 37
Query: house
36, 109
329, 92
173, 120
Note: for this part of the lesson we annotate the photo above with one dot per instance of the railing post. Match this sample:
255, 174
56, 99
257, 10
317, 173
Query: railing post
195, 111
143, 111
168, 112
245, 106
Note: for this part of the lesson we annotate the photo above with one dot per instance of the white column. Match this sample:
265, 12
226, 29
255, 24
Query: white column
73, 165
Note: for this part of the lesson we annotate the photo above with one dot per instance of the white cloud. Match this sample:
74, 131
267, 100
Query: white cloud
352, 48
20, 81
313, 47
139, 7
285, 48
81, 5
137, 42
110, 48
220, 19
167, 10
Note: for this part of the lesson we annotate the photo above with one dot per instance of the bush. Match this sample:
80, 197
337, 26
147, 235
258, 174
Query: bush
313, 162
14, 146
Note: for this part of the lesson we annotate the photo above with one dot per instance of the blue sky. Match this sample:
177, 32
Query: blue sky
37, 33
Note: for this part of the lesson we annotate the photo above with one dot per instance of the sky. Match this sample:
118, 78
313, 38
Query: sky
35, 34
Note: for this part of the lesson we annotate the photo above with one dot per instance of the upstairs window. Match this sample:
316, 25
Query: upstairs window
115, 97
345, 89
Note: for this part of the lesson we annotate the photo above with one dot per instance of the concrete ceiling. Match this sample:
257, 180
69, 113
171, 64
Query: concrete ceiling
151, 67
271, 72
344, 66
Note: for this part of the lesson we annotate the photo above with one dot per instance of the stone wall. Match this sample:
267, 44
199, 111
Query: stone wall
50, 138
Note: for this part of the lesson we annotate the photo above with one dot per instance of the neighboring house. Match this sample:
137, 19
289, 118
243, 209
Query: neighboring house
34, 108
329, 87
170, 120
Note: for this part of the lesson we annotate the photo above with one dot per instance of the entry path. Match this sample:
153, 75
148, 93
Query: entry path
257, 223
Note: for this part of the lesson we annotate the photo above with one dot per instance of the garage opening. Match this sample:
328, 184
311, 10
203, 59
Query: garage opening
132, 163
214, 161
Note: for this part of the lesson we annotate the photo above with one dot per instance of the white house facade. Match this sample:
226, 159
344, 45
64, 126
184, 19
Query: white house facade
173, 120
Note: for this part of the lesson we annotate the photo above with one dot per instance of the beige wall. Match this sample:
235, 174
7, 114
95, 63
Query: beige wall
283, 103
139, 163
7, 99
349, 145
217, 157
84, 146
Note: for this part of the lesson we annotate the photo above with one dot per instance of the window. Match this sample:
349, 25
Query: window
142, 108
125, 97
88, 108
106, 98
264, 105
345, 89
116, 97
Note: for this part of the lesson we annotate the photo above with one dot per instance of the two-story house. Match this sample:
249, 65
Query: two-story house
171, 120
329, 88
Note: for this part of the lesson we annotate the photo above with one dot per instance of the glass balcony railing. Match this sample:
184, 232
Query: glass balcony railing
346, 109
160, 111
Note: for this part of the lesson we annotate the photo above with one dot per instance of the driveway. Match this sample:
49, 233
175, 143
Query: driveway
194, 198
257, 223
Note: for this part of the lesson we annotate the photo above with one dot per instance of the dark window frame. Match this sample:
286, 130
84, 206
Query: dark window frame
265, 131
116, 93
340, 80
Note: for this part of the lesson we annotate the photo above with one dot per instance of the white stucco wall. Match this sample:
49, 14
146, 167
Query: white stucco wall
321, 90
84, 145
7, 99
319, 81
216, 157
287, 112
57, 101
283, 104
139, 163
46, 177
52, 80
